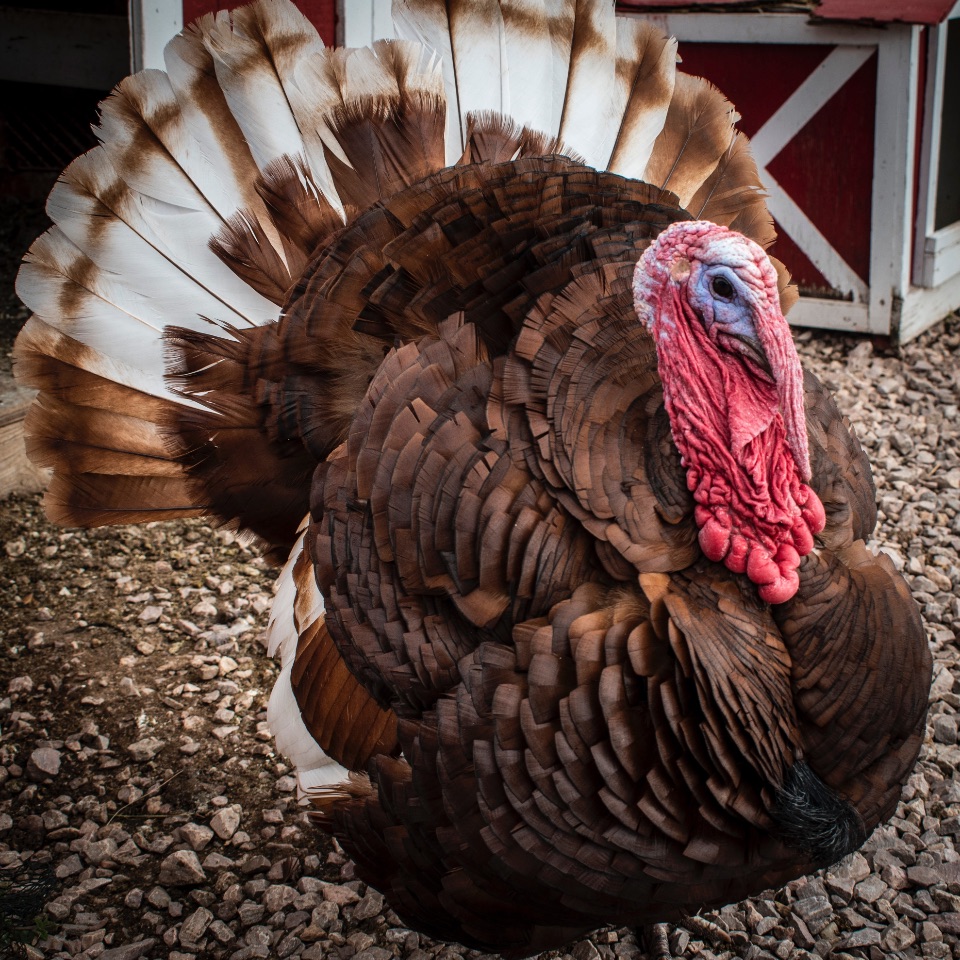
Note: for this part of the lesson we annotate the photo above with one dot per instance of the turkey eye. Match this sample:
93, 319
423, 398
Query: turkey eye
722, 288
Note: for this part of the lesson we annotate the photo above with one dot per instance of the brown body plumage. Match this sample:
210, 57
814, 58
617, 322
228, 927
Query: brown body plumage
557, 711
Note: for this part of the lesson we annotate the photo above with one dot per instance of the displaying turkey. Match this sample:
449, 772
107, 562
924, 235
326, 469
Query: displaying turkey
476, 331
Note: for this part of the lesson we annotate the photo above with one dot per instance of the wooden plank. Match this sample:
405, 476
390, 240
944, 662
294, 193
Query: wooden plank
321, 13
922, 307
930, 154
777, 28
152, 25
823, 314
86, 50
363, 21
869, 11
892, 204
941, 256
807, 99
805, 233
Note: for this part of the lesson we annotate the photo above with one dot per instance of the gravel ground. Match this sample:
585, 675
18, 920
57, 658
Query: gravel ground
140, 792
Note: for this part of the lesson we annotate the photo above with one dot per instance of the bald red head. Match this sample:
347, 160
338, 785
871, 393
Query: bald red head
733, 388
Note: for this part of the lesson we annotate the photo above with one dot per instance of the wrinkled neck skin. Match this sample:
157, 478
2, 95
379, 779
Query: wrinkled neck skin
755, 513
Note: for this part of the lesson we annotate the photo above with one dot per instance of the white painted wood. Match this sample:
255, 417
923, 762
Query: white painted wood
87, 50
364, 21
357, 19
805, 102
776, 28
805, 233
153, 23
830, 315
924, 306
941, 256
893, 158
383, 20
930, 149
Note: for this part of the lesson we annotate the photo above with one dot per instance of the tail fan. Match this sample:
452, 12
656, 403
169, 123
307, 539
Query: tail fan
169, 383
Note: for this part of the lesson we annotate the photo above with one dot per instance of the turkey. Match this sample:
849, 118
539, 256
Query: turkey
474, 333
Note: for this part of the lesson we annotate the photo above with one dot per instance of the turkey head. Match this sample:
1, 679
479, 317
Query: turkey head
733, 388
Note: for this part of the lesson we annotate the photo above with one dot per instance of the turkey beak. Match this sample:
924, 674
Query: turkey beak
754, 350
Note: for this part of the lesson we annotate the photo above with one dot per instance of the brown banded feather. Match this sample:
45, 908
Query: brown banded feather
697, 133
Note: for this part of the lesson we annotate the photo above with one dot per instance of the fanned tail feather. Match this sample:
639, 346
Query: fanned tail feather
697, 133
155, 335
734, 196
646, 75
322, 718
592, 111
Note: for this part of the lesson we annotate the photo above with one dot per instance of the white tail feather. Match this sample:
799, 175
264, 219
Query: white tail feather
427, 22
296, 606
528, 51
294, 740
646, 74
592, 109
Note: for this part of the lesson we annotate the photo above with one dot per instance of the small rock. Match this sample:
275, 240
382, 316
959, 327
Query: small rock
146, 749
69, 867
278, 896
867, 937
871, 889
159, 898
369, 906
256, 864
195, 926
227, 665
204, 609
182, 868
945, 728
20, 685
129, 952
44, 764
226, 820
221, 931
150, 614
584, 950
374, 953
128, 688
99, 850
251, 912
197, 835
897, 937
923, 876
947, 922
339, 895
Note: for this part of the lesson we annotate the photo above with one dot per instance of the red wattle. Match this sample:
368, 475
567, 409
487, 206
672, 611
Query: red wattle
781, 590
736, 559
714, 540
812, 512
